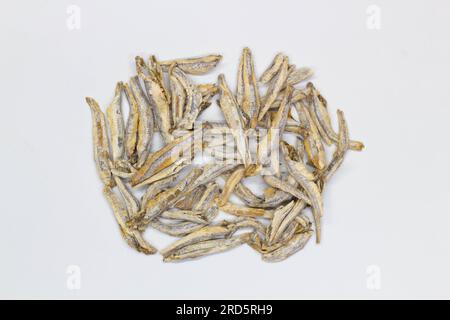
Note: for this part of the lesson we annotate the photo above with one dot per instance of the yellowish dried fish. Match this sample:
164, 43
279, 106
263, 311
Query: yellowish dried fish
278, 216
277, 84
319, 110
231, 182
131, 203
155, 66
133, 237
207, 247
145, 124
306, 180
313, 144
234, 119
178, 101
296, 243
267, 151
298, 75
184, 215
248, 91
282, 185
131, 129
273, 69
100, 141
157, 187
245, 194
188, 201
193, 99
116, 124
282, 219
205, 233
172, 169
165, 154
179, 229
165, 199
243, 211
157, 97
342, 146
195, 66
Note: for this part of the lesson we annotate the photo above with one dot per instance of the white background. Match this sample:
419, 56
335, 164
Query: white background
387, 207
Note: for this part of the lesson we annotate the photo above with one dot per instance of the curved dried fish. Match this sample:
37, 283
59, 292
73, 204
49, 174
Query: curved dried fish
157, 96
195, 66
296, 243
133, 237
145, 124
305, 178
273, 68
234, 119
131, 129
116, 124
101, 143
277, 84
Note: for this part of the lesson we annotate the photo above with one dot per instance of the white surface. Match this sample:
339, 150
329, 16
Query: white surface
387, 206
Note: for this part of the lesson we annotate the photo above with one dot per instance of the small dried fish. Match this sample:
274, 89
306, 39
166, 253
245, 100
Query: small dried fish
116, 124
185, 215
165, 199
298, 75
178, 97
207, 247
131, 203
273, 69
157, 97
231, 182
280, 184
165, 154
243, 211
296, 243
193, 99
172, 169
145, 124
132, 126
101, 144
341, 149
195, 66
313, 144
157, 187
275, 87
234, 119
306, 179
133, 237
205, 233
247, 95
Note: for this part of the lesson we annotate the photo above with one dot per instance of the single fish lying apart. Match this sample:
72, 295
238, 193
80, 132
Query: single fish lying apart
183, 199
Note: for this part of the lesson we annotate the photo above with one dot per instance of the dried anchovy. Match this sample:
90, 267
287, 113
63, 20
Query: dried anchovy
306, 179
145, 124
196, 66
234, 119
116, 124
186, 205
276, 85
132, 126
273, 69
133, 237
101, 144
158, 97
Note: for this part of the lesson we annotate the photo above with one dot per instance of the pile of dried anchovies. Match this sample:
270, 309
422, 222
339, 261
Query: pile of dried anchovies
182, 199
